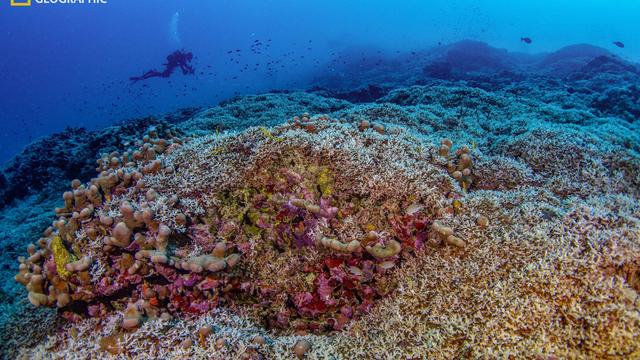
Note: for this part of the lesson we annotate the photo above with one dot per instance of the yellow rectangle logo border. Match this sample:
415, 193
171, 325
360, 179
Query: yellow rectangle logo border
16, 3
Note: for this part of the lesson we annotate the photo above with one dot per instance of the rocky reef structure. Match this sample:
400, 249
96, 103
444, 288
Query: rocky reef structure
490, 214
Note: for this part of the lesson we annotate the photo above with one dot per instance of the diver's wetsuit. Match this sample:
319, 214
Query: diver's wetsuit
176, 59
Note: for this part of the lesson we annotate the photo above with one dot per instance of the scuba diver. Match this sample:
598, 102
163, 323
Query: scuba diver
176, 59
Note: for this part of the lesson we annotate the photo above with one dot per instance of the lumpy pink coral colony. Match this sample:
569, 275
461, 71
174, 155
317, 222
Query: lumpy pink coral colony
294, 243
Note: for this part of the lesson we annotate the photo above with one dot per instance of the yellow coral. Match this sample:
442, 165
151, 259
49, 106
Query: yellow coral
268, 134
218, 150
61, 256
325, 182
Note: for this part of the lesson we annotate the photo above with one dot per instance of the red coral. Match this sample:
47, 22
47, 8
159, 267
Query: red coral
201, 237
411, 230
325, 290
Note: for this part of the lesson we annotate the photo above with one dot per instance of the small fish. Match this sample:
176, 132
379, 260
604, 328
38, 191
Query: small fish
619, 44
526, 40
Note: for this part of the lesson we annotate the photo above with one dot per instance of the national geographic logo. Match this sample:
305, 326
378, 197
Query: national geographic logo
21, 3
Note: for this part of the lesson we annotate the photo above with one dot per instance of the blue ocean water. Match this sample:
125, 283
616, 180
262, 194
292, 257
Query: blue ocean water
330, 179
68, 63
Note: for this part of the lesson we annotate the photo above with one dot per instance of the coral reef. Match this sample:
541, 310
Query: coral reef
578, 76
138, 237
444, 220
